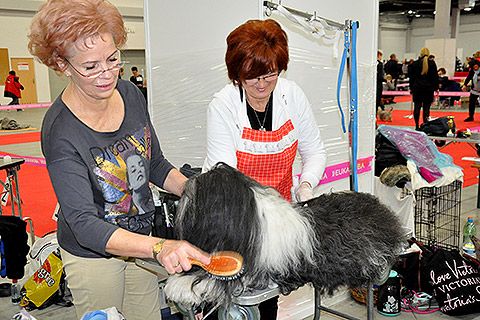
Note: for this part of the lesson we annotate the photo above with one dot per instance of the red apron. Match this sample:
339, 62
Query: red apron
267, 157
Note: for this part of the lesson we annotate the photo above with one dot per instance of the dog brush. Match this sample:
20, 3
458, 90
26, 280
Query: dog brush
224, 265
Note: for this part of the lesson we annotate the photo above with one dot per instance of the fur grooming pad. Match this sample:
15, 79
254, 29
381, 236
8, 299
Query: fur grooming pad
339, 239
390, 176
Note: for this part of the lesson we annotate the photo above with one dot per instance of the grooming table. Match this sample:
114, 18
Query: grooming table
11, 184
245, 307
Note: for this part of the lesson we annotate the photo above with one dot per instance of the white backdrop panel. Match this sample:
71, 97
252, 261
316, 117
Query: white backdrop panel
185, 52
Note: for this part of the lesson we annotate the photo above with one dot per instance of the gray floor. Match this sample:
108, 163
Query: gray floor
288, 304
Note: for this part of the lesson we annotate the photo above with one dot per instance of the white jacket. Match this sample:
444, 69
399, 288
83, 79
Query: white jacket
227, 116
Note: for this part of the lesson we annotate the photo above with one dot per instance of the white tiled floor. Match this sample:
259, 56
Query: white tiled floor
296, 306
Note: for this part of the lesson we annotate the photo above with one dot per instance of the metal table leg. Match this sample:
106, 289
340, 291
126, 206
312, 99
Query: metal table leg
370, 302
319, 307
17, 191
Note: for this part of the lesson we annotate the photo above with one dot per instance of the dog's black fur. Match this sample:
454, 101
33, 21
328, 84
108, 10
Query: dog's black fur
333, 240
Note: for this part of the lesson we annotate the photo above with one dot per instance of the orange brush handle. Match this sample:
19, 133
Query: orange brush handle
222, 263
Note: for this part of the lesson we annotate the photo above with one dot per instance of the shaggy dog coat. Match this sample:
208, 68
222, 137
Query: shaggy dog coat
336, 239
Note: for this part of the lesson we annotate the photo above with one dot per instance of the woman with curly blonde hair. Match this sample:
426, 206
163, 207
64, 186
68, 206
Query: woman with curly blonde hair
89, 133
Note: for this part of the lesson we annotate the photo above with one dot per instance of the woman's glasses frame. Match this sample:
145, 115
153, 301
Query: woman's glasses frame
96, 74
268, 78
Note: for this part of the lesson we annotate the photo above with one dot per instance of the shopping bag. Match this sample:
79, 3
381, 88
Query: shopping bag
455, 281
43, 284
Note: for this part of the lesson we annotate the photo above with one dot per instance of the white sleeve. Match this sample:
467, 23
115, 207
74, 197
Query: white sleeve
221, 145
310, 144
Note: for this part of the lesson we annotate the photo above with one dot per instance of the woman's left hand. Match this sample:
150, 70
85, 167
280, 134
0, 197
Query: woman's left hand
175, 256
304, 192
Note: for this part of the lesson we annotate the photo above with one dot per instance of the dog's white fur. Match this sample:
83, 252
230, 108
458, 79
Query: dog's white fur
284, 233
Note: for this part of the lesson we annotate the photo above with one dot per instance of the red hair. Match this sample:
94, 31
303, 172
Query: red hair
60, 23
255, 48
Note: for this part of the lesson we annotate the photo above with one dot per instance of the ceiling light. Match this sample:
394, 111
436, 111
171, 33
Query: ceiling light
468, 8
410, 12
418, 15
435, 12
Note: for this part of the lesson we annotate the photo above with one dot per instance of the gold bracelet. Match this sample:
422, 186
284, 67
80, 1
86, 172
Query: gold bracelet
157, 248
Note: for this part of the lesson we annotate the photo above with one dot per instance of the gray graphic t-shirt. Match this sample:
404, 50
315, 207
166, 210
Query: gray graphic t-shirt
101, 179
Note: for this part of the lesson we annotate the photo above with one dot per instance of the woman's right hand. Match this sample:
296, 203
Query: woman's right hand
175, 255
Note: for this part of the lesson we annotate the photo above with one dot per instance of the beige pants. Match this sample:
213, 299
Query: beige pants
98, 283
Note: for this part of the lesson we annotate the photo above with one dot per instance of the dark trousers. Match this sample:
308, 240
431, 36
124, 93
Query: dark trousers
268, 309
422, 100
379, 96
14, 101
471, 104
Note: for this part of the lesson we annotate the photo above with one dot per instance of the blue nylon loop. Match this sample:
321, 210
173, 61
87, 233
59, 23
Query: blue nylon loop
346, 45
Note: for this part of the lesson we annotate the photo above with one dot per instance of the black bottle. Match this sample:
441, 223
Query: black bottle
388, 302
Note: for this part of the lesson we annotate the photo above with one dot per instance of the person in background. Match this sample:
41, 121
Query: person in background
138, 80
405, 64
423, 80
380, 80
13, 89
474, 79
446, 84
442, 78
388, 85
136, 77
393, 68
466, 63
260, 121
92, 132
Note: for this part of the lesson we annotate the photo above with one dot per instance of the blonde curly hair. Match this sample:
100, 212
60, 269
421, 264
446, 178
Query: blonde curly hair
60, 23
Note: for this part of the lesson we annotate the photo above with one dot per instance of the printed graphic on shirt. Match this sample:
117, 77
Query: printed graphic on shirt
122, 170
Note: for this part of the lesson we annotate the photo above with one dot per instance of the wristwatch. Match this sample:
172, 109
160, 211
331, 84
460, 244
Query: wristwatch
157, 248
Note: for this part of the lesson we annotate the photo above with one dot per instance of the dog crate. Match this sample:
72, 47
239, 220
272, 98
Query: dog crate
437, 215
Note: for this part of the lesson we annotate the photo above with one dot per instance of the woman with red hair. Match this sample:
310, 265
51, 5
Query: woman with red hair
260, 121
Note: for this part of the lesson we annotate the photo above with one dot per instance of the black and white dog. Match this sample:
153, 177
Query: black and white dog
338, 239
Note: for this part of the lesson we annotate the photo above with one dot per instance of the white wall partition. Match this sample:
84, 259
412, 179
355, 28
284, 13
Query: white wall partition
185, 55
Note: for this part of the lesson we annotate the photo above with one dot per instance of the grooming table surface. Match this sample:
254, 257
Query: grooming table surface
248, 298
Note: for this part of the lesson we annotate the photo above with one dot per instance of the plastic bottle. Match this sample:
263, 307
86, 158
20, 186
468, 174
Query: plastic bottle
15, 290
469, 230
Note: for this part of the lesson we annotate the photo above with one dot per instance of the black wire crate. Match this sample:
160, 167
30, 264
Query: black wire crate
437, 215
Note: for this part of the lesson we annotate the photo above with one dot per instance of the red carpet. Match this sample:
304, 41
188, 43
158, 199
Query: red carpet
457, 150
399, 118
38, 197
19, 138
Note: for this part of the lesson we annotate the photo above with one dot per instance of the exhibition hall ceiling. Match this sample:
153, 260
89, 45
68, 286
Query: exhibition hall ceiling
411, 9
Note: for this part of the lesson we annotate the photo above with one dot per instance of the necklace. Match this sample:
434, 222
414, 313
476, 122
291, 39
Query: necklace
262, 124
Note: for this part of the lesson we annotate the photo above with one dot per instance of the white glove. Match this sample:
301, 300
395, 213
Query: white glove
304, 192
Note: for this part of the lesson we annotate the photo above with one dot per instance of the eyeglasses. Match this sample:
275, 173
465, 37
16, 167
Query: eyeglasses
268, 78
95, 69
